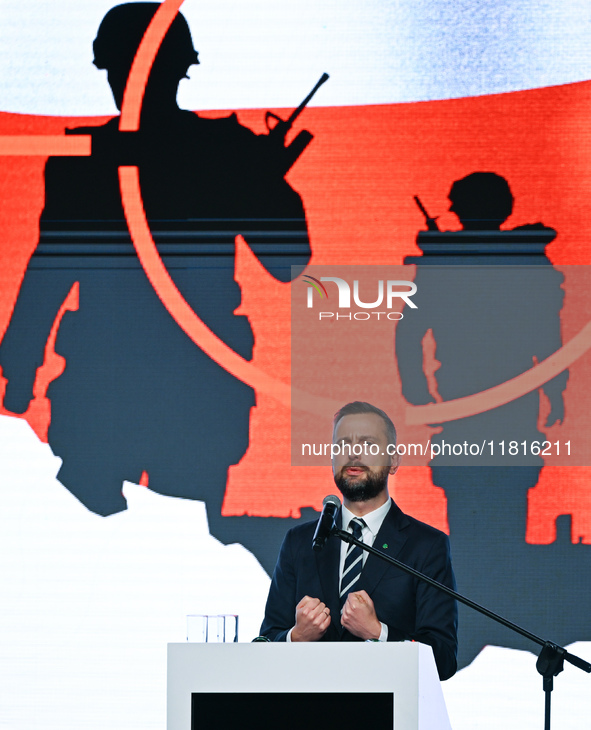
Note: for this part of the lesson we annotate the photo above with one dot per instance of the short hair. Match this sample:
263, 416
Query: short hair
357, 407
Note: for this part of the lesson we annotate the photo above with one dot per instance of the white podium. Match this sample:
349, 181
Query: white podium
229, 685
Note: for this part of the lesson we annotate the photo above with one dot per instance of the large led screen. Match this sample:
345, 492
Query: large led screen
197, 270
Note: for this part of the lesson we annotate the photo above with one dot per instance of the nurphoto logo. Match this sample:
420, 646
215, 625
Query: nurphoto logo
389, 292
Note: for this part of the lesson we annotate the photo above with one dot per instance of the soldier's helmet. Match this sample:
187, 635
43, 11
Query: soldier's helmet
122, 29
483, 198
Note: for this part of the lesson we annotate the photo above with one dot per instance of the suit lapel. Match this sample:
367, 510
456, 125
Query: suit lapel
327, 562
390, 540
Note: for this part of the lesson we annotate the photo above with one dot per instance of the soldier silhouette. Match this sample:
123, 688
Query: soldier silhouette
137, 394
491, 301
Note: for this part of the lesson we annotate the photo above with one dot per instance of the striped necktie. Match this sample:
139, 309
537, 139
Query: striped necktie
353, 561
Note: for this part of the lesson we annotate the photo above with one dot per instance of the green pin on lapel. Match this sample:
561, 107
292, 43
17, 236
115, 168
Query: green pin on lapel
385, 546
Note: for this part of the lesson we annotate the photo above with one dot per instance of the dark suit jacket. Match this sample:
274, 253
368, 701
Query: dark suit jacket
409, 607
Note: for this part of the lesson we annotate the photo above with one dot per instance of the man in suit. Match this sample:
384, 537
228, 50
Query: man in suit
342, 594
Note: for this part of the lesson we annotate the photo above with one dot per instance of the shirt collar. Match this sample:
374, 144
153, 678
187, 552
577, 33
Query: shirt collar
373, 520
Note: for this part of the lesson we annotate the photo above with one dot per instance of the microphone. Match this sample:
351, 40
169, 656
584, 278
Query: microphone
326, 520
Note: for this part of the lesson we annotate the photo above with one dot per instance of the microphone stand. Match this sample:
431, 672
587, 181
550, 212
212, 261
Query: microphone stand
551, 658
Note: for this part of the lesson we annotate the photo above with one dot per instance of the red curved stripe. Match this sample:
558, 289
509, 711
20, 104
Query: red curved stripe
142, 65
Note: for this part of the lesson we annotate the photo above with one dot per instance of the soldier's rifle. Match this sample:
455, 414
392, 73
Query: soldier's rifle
431, 222
278, 132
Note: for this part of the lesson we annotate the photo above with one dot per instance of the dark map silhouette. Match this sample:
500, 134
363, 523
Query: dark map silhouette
137, 394
491, 300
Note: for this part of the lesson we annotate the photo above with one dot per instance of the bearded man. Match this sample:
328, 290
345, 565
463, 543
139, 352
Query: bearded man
343, 594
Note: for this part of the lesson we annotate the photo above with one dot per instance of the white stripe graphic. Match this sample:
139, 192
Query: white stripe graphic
376, 52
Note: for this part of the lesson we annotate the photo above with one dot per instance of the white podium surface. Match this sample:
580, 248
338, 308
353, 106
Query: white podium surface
405, 669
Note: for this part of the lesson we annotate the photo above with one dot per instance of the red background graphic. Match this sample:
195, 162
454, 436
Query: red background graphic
537, 139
